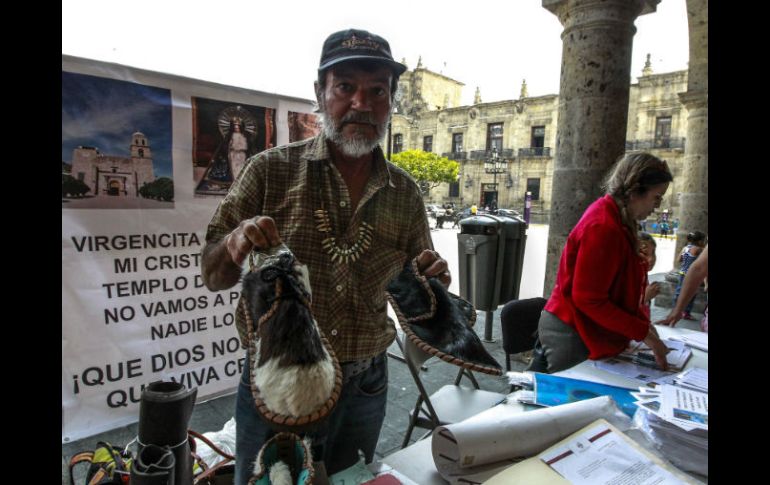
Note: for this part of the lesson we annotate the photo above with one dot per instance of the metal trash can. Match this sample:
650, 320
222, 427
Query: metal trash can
477, 250
491, 253
510, 267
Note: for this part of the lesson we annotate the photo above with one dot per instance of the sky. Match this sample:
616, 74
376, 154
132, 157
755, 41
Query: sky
275, 47
105, 113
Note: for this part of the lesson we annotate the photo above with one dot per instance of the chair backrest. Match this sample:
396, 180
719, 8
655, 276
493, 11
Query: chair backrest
519, 319
413, 354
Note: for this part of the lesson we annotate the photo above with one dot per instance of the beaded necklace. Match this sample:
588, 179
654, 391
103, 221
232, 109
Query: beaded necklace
340, 252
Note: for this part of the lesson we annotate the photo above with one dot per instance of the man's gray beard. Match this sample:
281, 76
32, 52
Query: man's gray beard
355, 147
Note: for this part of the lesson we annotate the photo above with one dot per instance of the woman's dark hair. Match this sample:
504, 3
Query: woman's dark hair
696, 237
635, 173
646, 237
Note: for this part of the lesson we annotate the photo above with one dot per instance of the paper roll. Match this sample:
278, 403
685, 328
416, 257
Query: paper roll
504, 433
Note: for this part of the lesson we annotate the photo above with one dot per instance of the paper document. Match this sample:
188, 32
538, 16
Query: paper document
599, 455
644, 374
697, 340
685, 405
641, 354
695, 378
685, 408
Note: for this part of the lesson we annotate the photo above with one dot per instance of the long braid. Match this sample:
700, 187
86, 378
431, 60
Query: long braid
634, 173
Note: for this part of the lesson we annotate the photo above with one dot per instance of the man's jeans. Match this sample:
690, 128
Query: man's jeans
354, 423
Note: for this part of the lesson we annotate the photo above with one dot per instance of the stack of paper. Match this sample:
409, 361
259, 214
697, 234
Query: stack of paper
598, 453
696, 379
697, 340
675, 419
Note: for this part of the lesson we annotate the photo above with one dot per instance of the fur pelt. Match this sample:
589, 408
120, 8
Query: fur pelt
280, 474
447, 328
293, 371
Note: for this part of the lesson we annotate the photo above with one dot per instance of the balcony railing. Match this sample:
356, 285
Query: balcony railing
535, 152
456, 156
659, 144
484, 154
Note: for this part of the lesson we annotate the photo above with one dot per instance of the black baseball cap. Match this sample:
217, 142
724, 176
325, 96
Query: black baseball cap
355, 44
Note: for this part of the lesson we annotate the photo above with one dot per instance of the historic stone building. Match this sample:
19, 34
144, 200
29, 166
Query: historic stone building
523, 133
113, 175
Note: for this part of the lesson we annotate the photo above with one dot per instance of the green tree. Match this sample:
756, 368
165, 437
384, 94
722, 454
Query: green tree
160, 189
427, 168
72, 187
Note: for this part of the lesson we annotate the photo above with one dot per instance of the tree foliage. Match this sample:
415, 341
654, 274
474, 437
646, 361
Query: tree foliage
427, 168
72, 187
160, 189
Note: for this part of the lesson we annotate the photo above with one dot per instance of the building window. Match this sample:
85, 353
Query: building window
427, 143
663, 132
454, 189
538, 139
398, 143
533, 185
457, 142
141, 152
82, 176
495, 137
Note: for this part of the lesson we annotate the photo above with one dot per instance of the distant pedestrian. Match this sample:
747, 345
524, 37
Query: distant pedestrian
664, 228
696, 240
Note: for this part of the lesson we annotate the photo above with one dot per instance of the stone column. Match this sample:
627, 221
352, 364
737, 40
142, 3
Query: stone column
694, 212
593, 107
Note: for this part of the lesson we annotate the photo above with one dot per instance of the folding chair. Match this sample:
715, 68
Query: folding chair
452, 403
518, 320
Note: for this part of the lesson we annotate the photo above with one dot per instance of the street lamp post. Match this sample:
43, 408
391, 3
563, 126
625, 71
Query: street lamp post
494, 165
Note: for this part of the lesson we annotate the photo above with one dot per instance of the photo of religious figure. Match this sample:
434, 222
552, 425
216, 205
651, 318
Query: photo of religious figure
225, 135
302, 126
115, 144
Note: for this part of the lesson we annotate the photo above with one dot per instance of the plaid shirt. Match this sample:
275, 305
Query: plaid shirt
289, 183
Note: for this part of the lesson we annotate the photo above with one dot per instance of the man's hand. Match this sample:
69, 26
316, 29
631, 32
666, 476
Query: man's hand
430, 263
259, 232
221, 262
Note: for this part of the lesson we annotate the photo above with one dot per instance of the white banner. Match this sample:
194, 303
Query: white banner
134, 307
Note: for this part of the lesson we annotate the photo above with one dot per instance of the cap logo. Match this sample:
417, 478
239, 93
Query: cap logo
356, 43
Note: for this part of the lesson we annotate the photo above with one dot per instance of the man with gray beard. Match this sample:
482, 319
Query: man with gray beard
353, 218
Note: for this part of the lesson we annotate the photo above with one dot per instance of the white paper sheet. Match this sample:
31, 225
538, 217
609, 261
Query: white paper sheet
599, 456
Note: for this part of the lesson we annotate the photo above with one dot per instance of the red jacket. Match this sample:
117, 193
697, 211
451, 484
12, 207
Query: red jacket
599, 283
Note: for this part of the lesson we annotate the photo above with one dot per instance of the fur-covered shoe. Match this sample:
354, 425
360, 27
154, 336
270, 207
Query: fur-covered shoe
295, 376
285, 459
438, 322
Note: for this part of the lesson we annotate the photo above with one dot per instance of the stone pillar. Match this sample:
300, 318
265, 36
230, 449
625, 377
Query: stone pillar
694, 212
593, 107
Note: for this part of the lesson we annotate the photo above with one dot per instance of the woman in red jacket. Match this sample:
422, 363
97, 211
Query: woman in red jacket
594, 310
